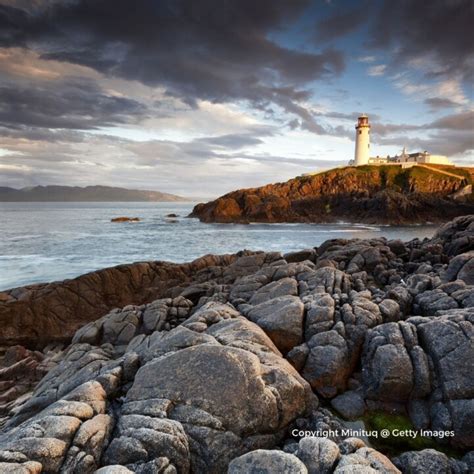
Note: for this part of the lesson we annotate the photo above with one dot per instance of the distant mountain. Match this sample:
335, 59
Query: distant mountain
89, 193
368, 194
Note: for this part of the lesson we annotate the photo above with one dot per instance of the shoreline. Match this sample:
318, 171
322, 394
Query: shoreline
334, 339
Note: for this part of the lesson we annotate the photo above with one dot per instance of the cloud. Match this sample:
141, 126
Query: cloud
175, 94
237, 141
73, 105
378, 70
205, 166
449, 135
216, 51
366, 59
460, 121
421, 89
452, 143
434, 32
341, 23
438, 103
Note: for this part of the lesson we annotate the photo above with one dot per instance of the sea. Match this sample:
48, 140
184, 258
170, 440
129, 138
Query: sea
49, 241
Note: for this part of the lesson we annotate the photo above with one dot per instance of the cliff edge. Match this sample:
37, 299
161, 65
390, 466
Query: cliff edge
369, 194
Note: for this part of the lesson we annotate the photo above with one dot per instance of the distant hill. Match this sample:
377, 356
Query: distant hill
89, 193
366, 194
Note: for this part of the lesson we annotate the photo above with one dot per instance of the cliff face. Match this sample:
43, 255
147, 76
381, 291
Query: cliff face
370, 194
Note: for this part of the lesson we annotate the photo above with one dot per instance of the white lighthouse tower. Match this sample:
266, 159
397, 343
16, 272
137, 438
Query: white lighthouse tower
362, 148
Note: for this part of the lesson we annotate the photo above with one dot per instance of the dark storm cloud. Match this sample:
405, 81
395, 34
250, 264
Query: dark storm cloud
72, 105
341, 23
212, 50
438, 29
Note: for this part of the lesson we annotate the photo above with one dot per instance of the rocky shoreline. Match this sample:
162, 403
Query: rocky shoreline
248, 363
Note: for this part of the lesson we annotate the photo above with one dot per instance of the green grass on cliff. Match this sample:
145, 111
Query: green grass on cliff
396, 177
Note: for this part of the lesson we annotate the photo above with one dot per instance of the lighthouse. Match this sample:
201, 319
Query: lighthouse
362, 148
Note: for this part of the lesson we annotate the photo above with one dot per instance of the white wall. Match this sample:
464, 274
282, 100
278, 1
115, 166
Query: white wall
361, 156
435, 160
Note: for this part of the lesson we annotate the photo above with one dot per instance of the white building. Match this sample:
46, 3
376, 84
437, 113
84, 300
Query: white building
362, 151
362, 148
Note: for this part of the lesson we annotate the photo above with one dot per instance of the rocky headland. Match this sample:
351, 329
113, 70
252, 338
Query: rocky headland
247, 363
364, 194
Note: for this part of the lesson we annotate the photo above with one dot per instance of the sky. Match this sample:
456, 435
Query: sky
201, 97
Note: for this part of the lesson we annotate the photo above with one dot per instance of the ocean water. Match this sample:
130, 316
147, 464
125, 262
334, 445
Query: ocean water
43, 242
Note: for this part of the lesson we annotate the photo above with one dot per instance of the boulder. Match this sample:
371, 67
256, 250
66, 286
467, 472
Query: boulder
421, 462
328, 364
365, 460
300, 256
275, 289
190, 377
390, 310
282, 319
319, 455
264, 461
350, 404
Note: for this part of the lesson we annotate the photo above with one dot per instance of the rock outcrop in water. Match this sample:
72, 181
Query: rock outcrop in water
369, 194
125, 219
252, 363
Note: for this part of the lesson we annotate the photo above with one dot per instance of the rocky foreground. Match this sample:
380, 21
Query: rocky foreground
249, 363
368, 194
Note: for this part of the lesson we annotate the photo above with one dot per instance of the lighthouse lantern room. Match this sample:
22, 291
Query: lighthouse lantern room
362, 147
